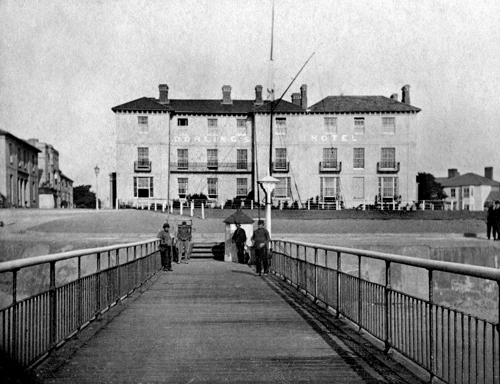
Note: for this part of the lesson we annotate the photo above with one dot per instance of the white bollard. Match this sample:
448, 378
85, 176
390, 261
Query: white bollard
192, 208
154, 202
163, 206
308, 205
182, 208
281, 205
337, 205
172, 208
251, 205
117, 204
203, 211
393, 205
364, 205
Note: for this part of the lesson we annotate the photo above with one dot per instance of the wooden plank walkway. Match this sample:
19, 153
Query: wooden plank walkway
215, 322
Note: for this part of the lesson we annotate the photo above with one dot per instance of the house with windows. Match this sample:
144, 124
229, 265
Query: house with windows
55, 189
343, 150
18, 172
470, 192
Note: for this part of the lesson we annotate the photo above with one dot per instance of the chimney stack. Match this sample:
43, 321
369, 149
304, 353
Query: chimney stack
226, 94
303, 96
296, 99
488, 172
453, 173
163, 93
394, 96
258, 95
406, 94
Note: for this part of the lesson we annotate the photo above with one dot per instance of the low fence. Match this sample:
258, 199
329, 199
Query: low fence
400, 301
52, 297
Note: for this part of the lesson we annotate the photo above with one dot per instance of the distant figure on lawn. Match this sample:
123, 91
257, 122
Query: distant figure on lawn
165, 247
261, 241
184, 239
239, 238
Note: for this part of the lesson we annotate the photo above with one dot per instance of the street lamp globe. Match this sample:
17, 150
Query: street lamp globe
268, 184
96, 170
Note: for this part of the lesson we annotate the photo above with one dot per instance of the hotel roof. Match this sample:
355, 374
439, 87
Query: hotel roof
361, 104
466, 180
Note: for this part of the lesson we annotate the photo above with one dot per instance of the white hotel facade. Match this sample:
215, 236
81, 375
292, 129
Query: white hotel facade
345, 150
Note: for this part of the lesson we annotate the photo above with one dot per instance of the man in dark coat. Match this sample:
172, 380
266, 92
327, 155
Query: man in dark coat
239, 238
184, 238
261, 241
165, 247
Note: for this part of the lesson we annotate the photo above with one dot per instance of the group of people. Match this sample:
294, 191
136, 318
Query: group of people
176, 248
260, 243
493, 221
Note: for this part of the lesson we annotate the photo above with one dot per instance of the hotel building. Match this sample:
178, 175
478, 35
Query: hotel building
344, 150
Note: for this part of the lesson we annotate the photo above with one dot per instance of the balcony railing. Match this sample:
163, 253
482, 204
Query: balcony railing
388, 167
142, 166
330, 166
35, 321
281, 166
365, 287
210, 167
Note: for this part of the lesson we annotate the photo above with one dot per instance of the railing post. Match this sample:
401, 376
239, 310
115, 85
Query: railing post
339, 266
181, 207
431, 325
388, 307
315, 274
98, 283
53, 305
202, 210
15, 330
360, 296
79, 293
118, 269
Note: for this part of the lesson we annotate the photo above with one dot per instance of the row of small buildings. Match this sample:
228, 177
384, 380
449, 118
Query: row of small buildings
30, 176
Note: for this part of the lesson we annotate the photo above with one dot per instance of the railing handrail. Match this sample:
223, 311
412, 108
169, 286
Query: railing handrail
8, 266
435, 265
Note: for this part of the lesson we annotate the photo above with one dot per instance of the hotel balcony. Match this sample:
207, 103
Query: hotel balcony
281, 166
330, 167
142, 166
388, 167
210, 167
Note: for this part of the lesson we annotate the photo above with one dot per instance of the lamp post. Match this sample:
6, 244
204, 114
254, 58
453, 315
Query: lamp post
268, 184
96, 169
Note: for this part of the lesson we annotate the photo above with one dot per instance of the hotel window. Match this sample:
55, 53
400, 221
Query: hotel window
280, 158
241, 127
182, 123
281, 126
143, 156
143, 124
330, 125
213, 128
358, 187
329, 188
283, 189
182, 159
388, 124
467, 192
212, 158
241, 159
143, 187
182, 185
359, 158
212, 187
241, 187
388, 159
329, 157
11, 152
452, 192
359, 125
388, 187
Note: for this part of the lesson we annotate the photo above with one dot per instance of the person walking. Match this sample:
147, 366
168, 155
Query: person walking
239, 238
496, 219
261, 239
491, 221
184, 238
165, 247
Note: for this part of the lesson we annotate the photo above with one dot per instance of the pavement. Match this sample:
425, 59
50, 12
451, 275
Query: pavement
214, 322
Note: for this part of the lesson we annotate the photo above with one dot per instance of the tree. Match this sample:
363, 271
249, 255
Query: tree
83, 197
429, 188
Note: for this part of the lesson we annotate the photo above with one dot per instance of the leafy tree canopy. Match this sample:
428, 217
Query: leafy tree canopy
83, 197
429, 188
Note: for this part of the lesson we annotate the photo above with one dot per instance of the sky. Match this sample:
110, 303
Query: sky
65, 63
